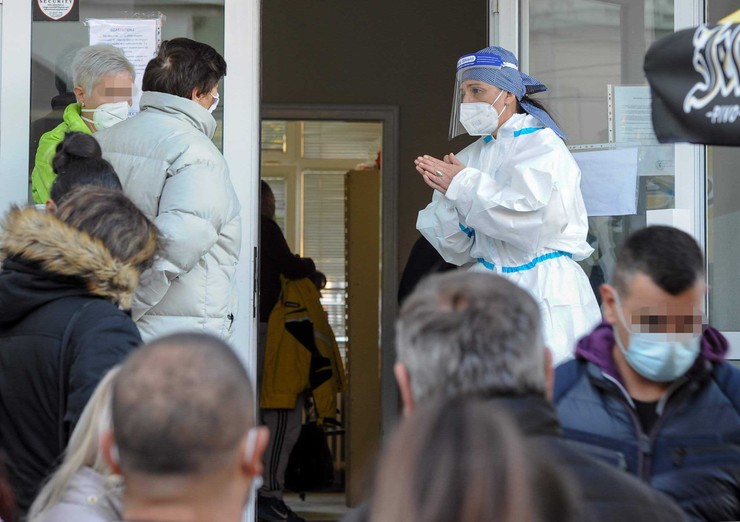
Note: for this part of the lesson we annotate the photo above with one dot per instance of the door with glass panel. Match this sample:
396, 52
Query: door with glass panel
723, 223
590, 54
137, 26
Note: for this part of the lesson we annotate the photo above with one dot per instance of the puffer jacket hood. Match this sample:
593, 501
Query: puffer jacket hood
181, 109
50, 258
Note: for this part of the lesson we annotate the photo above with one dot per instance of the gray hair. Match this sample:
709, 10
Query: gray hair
91, 63
468, 333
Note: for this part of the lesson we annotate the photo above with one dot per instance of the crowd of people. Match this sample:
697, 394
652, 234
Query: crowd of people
121, 399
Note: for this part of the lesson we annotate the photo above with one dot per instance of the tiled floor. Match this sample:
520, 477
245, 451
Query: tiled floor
318, 507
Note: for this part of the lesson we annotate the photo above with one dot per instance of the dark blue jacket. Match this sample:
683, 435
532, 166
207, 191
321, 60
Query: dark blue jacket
692, 453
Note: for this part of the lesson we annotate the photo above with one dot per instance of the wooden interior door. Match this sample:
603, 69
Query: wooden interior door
363, 240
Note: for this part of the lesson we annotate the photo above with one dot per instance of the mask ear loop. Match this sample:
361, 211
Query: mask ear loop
497, 97
249, 453
251, 443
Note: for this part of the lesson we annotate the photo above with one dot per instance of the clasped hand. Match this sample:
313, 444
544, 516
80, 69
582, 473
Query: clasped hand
436, 173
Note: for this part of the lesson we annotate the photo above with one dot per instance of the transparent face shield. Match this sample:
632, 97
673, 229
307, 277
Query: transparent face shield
473, 68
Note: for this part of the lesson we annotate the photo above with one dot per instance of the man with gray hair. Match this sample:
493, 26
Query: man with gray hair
184, 434
479, 335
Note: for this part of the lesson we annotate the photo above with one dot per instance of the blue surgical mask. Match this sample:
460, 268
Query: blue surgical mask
658, 356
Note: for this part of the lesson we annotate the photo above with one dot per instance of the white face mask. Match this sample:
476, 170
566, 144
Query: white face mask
214, 104
107, 114
479, 118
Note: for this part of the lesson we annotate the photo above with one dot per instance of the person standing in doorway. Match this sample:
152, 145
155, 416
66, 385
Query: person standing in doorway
276, 260
171, 169
511, 202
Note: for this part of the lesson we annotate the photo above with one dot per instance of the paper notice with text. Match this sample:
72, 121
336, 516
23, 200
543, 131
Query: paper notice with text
629, 114
138, 38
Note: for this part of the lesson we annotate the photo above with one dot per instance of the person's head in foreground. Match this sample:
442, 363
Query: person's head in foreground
656, 305
104, 83
79, 162
464, 460
188, 69
83, 468
184, 435
469, 334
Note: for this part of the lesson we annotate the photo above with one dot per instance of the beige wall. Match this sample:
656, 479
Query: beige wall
380, 52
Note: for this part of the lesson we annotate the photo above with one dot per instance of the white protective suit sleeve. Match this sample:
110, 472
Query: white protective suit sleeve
192, 209
512, 209
441, 224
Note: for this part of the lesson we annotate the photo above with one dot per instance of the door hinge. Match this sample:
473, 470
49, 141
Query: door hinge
494, 6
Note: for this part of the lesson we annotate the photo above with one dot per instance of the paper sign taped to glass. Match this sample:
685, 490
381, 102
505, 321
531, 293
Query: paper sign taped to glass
138, 37
609, 181
693, 75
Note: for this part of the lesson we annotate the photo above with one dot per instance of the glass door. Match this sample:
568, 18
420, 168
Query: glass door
723, 223
35, 83
590, 55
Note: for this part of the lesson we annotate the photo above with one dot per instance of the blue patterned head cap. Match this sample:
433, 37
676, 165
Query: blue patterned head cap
498, 66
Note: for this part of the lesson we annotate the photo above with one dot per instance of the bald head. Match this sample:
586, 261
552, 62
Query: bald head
181, 406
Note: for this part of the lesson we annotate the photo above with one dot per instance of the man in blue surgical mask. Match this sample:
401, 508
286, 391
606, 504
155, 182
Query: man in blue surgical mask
651, 383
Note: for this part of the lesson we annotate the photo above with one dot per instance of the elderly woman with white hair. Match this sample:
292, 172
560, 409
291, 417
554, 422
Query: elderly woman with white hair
104, 82
511, 202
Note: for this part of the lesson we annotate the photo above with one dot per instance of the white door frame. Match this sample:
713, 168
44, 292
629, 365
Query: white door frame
389, 115
15, 108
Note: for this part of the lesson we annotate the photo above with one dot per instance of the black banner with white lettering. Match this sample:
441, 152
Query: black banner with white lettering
694, 76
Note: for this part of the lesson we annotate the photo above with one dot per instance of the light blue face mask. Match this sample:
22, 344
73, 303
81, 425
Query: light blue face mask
658, 356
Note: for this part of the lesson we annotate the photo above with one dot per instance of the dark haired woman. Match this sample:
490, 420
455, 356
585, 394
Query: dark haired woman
79, 162
66, 282
462, 460
511, 202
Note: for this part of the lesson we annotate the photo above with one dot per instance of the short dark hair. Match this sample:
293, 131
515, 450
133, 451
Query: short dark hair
670, 257
181, 406
79, 162
182, 65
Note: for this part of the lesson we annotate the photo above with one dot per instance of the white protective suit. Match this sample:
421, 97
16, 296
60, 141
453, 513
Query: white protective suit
516, 210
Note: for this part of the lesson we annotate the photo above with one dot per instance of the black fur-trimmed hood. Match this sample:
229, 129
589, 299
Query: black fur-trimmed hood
66, 254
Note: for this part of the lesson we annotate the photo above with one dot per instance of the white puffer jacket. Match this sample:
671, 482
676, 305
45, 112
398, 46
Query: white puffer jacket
174, 173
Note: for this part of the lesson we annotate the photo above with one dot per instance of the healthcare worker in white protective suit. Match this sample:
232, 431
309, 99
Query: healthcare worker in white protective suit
511, 203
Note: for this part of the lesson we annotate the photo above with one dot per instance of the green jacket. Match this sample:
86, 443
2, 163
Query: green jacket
43, 175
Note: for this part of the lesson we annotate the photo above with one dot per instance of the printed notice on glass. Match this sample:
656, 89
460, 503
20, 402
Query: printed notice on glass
629, 114
138, 38
609, 181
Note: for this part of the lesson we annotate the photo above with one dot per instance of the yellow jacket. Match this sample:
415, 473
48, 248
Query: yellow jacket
301, 352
